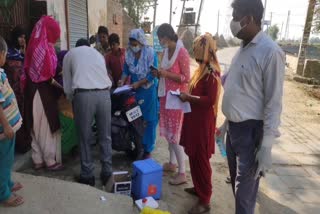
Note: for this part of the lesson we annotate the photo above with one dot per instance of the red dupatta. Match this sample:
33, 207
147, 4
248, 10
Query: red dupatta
41, 59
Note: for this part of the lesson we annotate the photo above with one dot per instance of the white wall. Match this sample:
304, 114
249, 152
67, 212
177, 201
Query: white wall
56, 8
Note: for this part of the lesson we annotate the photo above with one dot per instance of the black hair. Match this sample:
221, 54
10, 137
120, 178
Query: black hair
82, 42
114, 38
166, 30
3, 45
133, 40
103, 29
92, 39
249, 7
15, 34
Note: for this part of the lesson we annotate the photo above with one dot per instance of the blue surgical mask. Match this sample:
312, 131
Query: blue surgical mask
135, 49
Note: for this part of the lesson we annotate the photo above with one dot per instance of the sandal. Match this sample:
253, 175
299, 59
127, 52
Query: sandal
16, 187
13, 201
55, 167
200, 209
178, 179
228, 180
169, 167
38, 166
191, 191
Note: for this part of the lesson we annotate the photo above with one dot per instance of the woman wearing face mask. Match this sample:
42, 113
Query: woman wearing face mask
197, 136
15, 72
139, 58
174, 75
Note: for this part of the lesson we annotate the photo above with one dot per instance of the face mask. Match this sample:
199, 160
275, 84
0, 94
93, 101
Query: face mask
164, 45
235, 27
135, 49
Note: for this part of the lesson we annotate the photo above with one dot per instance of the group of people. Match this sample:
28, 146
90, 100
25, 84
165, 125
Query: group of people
85, 75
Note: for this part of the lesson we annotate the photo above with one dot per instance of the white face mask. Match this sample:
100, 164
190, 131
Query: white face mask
135, 49
235, 27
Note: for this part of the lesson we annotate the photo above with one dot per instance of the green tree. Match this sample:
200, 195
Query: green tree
273, 32
136, 8
316, 17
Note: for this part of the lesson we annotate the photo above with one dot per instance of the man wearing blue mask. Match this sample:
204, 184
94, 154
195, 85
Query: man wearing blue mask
252, 103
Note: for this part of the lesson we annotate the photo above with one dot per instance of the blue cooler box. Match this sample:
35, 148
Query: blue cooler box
147, 179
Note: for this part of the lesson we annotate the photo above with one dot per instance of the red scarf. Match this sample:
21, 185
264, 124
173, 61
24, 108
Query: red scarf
41, 58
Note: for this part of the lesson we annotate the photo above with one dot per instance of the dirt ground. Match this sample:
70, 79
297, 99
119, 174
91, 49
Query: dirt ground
174, 199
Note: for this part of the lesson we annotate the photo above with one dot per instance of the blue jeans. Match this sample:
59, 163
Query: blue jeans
6, 164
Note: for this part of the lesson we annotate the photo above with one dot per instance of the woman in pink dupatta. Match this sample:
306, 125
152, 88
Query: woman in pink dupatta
42, 115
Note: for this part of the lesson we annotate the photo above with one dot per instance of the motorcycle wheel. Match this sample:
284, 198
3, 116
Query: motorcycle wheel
137, 152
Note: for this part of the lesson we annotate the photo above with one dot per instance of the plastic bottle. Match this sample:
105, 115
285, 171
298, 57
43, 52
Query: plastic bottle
220, 143
144, 202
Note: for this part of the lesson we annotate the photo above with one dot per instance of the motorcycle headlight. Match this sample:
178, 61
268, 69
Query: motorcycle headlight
117, 113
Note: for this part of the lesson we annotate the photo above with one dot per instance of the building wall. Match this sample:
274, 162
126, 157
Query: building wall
128, 25
97, 14
115, 18
56, 8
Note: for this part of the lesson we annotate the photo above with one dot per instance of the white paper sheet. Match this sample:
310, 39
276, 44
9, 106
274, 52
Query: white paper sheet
122, 88
174, 102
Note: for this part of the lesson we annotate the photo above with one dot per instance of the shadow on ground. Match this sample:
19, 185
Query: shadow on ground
270, 206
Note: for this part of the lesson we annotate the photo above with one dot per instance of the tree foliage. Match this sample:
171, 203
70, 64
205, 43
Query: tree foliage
136, 8
273, 32
316, 18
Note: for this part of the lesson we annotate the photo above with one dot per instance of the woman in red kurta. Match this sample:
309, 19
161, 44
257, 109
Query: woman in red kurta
197, 136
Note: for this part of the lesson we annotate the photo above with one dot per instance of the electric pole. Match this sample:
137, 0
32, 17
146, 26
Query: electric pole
281, 32
170, 19
218, 23
199, 15
306, 36
270, 24
184, 4
286, 34
155, 13
264, 13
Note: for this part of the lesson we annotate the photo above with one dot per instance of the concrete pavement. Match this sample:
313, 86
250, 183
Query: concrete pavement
53, 196
292, 186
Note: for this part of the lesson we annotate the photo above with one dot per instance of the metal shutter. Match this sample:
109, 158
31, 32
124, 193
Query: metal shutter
78, 21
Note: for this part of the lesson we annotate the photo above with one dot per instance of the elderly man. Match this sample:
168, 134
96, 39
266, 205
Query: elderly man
252, 103
87, 84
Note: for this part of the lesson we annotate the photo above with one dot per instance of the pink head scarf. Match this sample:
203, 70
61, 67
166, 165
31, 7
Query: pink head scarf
41, 59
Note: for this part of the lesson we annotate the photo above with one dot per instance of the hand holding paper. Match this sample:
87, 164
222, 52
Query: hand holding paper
173, 102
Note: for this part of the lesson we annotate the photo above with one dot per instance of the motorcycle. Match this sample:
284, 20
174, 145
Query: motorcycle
127, 124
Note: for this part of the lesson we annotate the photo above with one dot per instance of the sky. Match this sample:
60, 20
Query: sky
209, 16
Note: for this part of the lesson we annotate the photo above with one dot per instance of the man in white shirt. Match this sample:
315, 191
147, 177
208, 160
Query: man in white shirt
86, 83
252, 103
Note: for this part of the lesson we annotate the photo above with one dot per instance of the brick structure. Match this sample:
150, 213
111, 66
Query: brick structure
118, 21
128, 25
114, 17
